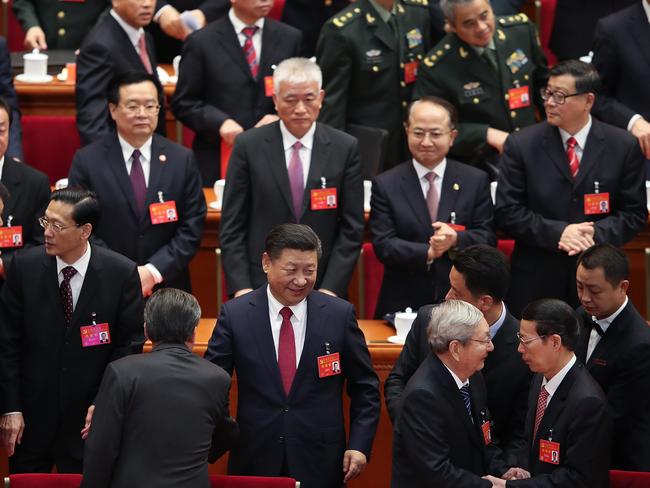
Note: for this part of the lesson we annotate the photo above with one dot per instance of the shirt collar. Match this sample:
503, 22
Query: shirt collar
646, 7
481, 49
239, 25
133, 33
81, 264
2, 165
553, 384
457, 380
607, 321
127, 149
580, 136
494, 328
299, 310
382, 12
422, 170
288, 139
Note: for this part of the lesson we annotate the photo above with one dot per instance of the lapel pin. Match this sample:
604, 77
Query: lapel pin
456, 186
162, 158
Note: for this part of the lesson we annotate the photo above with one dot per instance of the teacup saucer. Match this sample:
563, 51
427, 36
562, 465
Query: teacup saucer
34, 79
396, 339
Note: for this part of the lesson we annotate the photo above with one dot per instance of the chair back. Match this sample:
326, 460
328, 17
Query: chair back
628, 479
43, 480
225, 481
373, 143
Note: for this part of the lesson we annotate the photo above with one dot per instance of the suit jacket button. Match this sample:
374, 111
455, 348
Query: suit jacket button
285, 410
281, 439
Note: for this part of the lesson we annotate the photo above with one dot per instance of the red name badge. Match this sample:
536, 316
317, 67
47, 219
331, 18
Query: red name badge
549, 452
457, 227
487, 436
163, 213
268, 86
410, 72
518, 97
95, 335
11, 236
329, 365
323, 199
597, 203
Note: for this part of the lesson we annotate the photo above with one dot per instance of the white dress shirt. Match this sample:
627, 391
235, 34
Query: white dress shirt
580, 137
422, 171
77, 281
133, 33
307, 141
553, 384
594, 336
2, 165
239, 27
298, 321
494, 328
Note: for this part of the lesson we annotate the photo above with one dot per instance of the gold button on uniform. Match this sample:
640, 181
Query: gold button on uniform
60, 14
402, 84
404, 104
476, 100
61, 31
513, 114
375, 68
507, 97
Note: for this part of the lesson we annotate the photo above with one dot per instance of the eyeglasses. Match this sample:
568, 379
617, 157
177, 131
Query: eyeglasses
134, 108
525, 342
485, 341
420, 134
56, 227
558, 97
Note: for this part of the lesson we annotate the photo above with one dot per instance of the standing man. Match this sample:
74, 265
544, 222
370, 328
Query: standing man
479, 276
554, 179
8, 93
135, 439
614, 346
138, 177
424, 208
225, 82
56, 301
115, 46
491, 70
369, 54
283, 341
286, 172
569, 425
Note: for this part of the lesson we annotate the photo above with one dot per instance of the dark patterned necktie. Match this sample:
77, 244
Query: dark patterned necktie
464, 392
137, 182
249, 49
66, 292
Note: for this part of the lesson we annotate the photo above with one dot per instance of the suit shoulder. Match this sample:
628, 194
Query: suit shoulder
350, 15
26, 171
467, 171
340, 137
507, 21
172, 148
416, 3
115, 261
616, 20
442, 51
391, 175
613, 133
283, 29
334, 304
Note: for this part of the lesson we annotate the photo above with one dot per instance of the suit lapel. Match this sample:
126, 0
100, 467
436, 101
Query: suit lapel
449, 192
591, 154
556, 404
505, 336
609, 341
319, 157
13, 183
158, 145
52, 288
412, 193
116, 163
640, 31
276, 160
228, 39
316, 315
555, 151
93, 278
269, 40
377, 26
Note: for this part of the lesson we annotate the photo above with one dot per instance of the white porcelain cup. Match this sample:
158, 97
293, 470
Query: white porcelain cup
35, 64
219, 186
367, 192
176, 63
404, 321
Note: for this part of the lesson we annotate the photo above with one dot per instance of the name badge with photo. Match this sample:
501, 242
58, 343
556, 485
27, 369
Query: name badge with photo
597, 203
11, 236
518, 97
329, 365
95, 335
549, 452
324, 199
163, 213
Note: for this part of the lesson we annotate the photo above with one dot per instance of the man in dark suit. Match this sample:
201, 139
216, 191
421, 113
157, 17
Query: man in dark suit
623, 64
29, 194
369, 54
619, 359
285, 172
8, 93
224, 86
115, 46
135, 438
426, 208
491, 69
554, 177
479, 276
569, 424
56, 301
442, 432
283, 341
138, 176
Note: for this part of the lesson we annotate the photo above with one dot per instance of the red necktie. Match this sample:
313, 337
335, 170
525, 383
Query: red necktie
144, 55
249, 49
287, 350
541, 406
574, 162
66, 292
296, 180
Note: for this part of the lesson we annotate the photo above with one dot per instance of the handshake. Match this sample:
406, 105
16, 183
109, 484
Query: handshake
511, 474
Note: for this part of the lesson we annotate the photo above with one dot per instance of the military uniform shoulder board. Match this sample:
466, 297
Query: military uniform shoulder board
436, 54
508, 20
418, 3
344, 17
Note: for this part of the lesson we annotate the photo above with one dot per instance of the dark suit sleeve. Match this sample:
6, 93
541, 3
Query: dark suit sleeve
102, 446
362, 387
391, 249
481, 228
129, 336
8, 92
233, 232
333, 56
631, 212
422, 425
407, 363
226, 430
188, 104
25, 12
220, 346
174, 257
346, 247
94, 71
513, 216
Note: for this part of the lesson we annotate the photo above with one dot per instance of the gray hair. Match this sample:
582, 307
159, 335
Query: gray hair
171, 315
449, 321
448, 8
297, 70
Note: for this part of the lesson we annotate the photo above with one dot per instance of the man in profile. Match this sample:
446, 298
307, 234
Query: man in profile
136, 438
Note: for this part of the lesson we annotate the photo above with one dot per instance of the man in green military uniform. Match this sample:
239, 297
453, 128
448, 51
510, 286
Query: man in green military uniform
369, 54
58, 24
492, 70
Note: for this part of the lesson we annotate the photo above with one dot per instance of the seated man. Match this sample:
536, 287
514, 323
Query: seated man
569, 425
426, 208
134, 439
442, 432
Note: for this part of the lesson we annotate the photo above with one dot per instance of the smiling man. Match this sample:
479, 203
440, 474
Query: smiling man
293, 350
554, 179
293, 170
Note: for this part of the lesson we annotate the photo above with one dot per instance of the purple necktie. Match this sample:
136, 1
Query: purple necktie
296, 180
137, 182
66, 292
432, 196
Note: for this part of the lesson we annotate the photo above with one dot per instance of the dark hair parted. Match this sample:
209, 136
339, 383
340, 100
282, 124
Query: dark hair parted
86, 206
552, 316
171, 315
485, 270
291, 236
130, 78
611, 259
585, 75
440, 102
